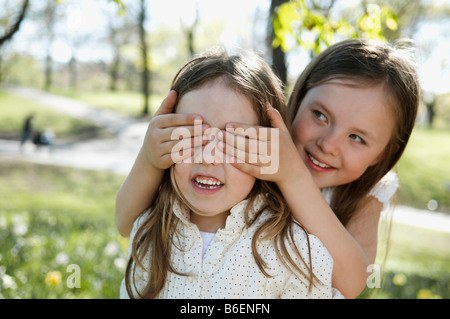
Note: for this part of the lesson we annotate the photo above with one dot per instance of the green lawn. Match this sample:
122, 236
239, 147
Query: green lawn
424, 169
127, 103
14, 110
417, 265
52, 218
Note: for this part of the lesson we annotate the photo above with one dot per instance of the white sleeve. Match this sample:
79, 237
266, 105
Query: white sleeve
385, 188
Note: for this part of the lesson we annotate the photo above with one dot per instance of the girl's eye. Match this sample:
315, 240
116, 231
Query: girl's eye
319, 115
357, 138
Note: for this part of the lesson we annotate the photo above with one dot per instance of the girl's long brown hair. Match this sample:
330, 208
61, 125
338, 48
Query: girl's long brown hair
367, 63
250, 76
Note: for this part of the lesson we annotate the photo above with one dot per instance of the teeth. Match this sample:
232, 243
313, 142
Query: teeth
207, 183
316, 162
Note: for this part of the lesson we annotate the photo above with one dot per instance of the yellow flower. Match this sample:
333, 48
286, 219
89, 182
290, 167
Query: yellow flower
426, 294
399, 279
53, 278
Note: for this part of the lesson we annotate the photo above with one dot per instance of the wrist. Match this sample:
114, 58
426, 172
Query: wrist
296, 175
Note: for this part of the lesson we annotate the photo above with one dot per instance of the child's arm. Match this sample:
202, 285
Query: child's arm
310, 208
136, 193
141, 185
313, 212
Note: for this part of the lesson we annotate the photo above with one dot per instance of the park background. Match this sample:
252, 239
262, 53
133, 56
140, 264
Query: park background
63, 56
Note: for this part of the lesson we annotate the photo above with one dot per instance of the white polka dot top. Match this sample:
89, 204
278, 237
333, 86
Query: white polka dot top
228, 268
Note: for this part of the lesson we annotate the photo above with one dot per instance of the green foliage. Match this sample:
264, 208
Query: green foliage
370, 24
296, 24
21, 69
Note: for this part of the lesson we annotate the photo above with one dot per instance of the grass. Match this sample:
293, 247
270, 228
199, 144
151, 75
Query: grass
14, 110
424, 169
52, 218
125, 102
418, 264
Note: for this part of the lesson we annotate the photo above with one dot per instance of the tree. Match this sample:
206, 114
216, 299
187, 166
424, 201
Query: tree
278, 55
121, 31
144, 56
23, 10
188, 23
16, 25
48, 17
311, 26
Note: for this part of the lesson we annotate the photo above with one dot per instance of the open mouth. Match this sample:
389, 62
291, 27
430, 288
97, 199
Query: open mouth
204, 182
316, 164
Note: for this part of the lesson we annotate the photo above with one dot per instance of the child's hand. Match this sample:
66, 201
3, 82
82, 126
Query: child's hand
158, 146
263, 152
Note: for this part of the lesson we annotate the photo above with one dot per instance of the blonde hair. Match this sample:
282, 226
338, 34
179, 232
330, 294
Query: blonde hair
251, 76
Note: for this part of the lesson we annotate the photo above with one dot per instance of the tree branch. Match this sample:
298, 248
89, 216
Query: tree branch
9, 34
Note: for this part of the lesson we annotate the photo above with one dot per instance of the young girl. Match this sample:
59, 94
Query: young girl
352, 110
214, 231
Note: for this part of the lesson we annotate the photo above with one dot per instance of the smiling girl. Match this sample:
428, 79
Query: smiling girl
214, 231
353, 110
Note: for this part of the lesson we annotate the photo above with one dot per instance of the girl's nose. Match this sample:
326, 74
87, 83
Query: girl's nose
330, 143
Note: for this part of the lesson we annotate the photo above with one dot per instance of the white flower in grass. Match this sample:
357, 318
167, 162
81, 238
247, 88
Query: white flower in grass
9, 282
62, 259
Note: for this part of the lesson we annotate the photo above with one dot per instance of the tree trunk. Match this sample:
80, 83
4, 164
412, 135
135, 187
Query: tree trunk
279, 64
278, 56
73, 81
114, 73
48, 72
190, 39
145, 71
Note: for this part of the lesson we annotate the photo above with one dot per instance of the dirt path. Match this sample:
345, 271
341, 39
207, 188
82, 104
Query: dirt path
115, 154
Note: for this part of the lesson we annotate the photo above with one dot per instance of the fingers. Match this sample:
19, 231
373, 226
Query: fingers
248, 148
183, 144
168, 127
167, 104
276, 120
172, 133
171, 152
249, 131
164, 118
175, 120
